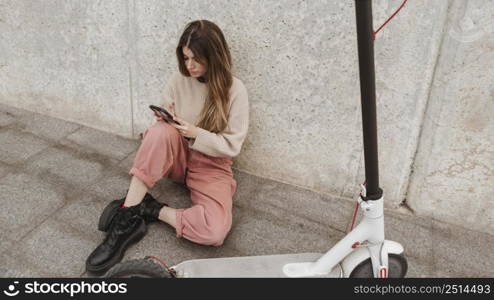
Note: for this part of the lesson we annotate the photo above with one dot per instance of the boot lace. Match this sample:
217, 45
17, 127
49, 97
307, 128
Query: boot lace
123, 222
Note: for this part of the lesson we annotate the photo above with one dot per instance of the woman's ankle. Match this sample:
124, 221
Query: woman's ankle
168, 215
135, 194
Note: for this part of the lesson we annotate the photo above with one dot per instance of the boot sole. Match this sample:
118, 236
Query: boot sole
107, 214
134, 238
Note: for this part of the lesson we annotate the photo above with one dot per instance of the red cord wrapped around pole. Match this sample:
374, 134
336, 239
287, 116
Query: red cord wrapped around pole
389, 19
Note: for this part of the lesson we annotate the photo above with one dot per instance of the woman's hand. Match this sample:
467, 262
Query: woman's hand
170, 108
158, 117
185, 128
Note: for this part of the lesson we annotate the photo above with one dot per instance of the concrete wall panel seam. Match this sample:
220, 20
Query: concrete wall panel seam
131, 57
417, 132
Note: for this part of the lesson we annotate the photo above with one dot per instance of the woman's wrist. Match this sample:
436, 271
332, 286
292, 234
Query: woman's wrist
195, 132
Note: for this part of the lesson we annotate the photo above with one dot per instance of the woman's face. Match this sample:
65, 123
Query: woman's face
195, 69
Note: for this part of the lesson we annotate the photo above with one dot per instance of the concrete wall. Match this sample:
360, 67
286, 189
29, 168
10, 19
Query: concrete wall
101, 63
68, 59
453, 172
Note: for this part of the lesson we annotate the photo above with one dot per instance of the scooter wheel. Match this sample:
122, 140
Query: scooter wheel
397, 267
138, 268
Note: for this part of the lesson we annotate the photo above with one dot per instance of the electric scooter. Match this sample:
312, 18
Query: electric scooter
363, 252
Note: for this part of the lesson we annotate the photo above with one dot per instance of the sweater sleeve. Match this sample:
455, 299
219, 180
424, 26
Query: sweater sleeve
229, 142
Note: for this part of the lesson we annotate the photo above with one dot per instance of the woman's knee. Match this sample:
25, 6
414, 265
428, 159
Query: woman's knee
215, 236
160, 130
216, 228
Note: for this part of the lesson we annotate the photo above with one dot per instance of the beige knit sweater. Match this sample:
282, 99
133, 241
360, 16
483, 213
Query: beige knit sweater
189, 95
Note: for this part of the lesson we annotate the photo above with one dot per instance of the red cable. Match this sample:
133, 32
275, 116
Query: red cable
356, 210
389, 19
170, 270
354, 217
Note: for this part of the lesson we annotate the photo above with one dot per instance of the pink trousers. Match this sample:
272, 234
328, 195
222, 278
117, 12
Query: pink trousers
164, 152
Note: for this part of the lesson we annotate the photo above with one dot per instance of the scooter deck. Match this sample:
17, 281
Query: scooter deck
248, 266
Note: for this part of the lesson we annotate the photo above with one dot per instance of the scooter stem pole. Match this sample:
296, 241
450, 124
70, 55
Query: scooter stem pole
365, 39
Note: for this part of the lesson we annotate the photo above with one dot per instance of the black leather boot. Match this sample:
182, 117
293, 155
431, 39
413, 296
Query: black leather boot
149, 209
127, 227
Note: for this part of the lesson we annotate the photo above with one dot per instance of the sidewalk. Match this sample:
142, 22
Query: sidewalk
56, 177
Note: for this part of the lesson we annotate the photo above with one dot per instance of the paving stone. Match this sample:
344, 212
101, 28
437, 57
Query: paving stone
5, 243
412, 232
13, 265
6, 118
174, 194
257, 233
56, 248
70, 165
127, 163
286, 201
17, 113
103, 142
82, 215
113, 185
26, 201
417, 268
45, 127
17, 146
459, 252
5, 169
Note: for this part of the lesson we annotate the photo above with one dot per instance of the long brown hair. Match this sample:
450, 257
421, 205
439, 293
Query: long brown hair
205, 39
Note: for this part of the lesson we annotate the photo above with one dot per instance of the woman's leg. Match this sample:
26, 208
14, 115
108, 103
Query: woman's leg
162, 151
168, 215
212, 187
137, 190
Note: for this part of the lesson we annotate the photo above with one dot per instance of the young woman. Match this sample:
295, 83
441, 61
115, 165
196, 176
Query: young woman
212, 110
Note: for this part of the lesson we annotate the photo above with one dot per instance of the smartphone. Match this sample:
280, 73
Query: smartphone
164, 113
